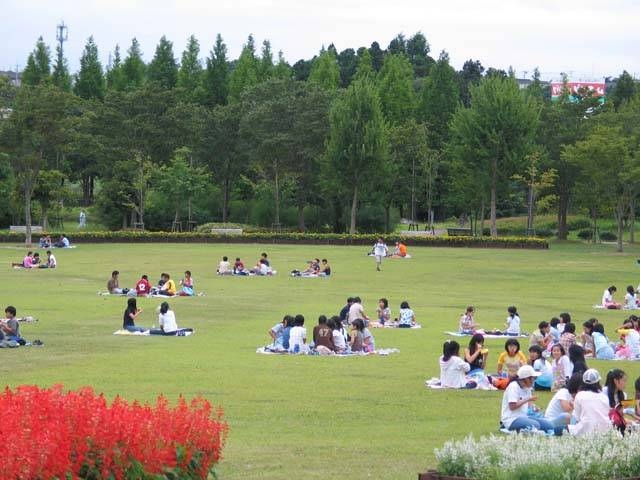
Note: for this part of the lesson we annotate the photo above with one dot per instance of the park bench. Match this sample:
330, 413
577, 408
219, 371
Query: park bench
227, 231
23, 228
459, 232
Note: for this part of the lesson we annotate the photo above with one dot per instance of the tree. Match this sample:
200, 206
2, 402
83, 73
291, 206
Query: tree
439, 100
133, 68
609, 175
624, 91
282, 70
265, 68
8, 92
246, 72
60, 76
418, 52
302, 69
89, 81
114, 76
190, 72
38, 69
163, 69
365, 66
377, 56
498, 129
180, 180
49, 191
216, 76
348, 63
34, 131
398, 46
358, 142
471, 74
325, 71
395, 89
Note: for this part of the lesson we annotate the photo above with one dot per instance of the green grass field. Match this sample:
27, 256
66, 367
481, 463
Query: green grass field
295, 416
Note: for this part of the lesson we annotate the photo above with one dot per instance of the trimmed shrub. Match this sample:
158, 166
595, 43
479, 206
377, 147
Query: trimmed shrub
608, 236
578, 224
585, 234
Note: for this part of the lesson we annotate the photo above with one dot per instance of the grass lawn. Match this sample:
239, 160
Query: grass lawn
294, 416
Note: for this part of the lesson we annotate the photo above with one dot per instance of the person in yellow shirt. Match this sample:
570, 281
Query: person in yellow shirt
168, 287
511, 359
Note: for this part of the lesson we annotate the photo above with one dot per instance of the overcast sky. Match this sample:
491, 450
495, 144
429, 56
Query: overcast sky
588, 39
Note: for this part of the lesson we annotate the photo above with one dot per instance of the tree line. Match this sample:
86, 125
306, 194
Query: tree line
345, 141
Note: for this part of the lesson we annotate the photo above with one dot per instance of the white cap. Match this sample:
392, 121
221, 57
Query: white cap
591, 376
527, 371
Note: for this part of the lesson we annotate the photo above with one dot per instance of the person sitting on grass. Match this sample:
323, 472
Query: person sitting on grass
518, 400
166, 320
63, 242
36, 260
187, 285
603, 349
130, 314
51, 261
113, 285
542, 336
590, 406
453, 369
224, 267
323, 336
27, 261
467, 325
261, 269
561, 367
511, 359
539, 364
339, 335
276, 333
369, 342
344, 312
399, 251
576, 357
168, 287
406, 316
357, 335
143, 287
45, 241
476, 354
630, 302
383, 312
298, 336
568, 336
356, 310
238, 267
513, 322
607, 299
10, 327
560, 408
554, 323
325, 268
586, 339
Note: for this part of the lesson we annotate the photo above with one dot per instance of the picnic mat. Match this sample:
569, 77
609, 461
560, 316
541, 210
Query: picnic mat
486, 335
393, 325
381, 351
179, 333
482, 384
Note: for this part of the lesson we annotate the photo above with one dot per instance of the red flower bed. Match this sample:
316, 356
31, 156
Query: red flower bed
50, 433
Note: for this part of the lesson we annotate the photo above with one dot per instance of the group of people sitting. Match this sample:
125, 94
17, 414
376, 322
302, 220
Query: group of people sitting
406, 316
46, 242
579, 405
262, 267
167, 324
468, 326
315, 268
631, 300
33, 260
166, 286
330, 337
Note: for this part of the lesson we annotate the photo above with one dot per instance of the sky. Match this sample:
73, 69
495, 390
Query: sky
587, 39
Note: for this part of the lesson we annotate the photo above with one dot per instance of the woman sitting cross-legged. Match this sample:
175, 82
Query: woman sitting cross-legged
167, 321
518, 409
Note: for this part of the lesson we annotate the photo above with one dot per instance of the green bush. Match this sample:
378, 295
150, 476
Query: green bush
579, 223
585, 234
608, 236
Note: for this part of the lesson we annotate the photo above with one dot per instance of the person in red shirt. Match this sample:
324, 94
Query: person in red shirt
143, 286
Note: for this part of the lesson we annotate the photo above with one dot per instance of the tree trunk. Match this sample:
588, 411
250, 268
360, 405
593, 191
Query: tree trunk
301, 226
225, 199
619, 216
563, 209
45, 220
482, 215
494, 182
530, 201
632, 220
277, 197
124, 221
387, 218
337, 211
27, 216
354, 210
86, 190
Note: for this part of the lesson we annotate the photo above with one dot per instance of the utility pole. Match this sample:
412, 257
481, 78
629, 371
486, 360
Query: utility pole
62, 35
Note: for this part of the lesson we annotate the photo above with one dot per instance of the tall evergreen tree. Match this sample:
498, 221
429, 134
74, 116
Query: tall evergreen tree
246, 71
395, 88
471, 74
439, 100
60, 76
625, 89
325, 71
377, 56
133, 68
365, 65
265, 68
418, 50
115, 75
190, 73
163, 69
348, 63
216, 76
90, 81
357, 149
398, 46
282, 70
38, 69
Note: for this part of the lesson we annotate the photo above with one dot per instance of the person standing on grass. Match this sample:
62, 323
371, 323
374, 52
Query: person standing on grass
380, 250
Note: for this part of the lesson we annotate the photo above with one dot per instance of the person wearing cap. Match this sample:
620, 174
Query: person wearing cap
590, 407
518, 399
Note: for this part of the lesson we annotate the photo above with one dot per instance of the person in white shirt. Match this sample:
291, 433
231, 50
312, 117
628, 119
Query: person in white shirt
607, 299
356, 311
590, 406
518, 399
630, 302
560, 406
513, 321
224, 267
380, 250
298, 336
167, 321
339, 336
453, 369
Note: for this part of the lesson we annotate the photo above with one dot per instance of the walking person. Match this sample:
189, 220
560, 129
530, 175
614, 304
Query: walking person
380, 250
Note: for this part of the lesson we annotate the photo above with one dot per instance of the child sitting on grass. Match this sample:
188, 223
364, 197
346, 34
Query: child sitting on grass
542, 336
187, 285
323, 336
357, 335
467, 324
298, 336
513, 322
603, 349
539, 364
476, 355
511, 359
339, 335
10, 327
453, 369
561, 367
130, 314
277, 333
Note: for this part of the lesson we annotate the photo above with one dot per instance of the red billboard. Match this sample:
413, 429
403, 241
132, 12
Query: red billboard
598, 88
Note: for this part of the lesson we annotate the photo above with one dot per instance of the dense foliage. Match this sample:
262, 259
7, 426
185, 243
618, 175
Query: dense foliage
349, 140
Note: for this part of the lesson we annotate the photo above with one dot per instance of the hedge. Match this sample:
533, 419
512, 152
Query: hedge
289, 238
